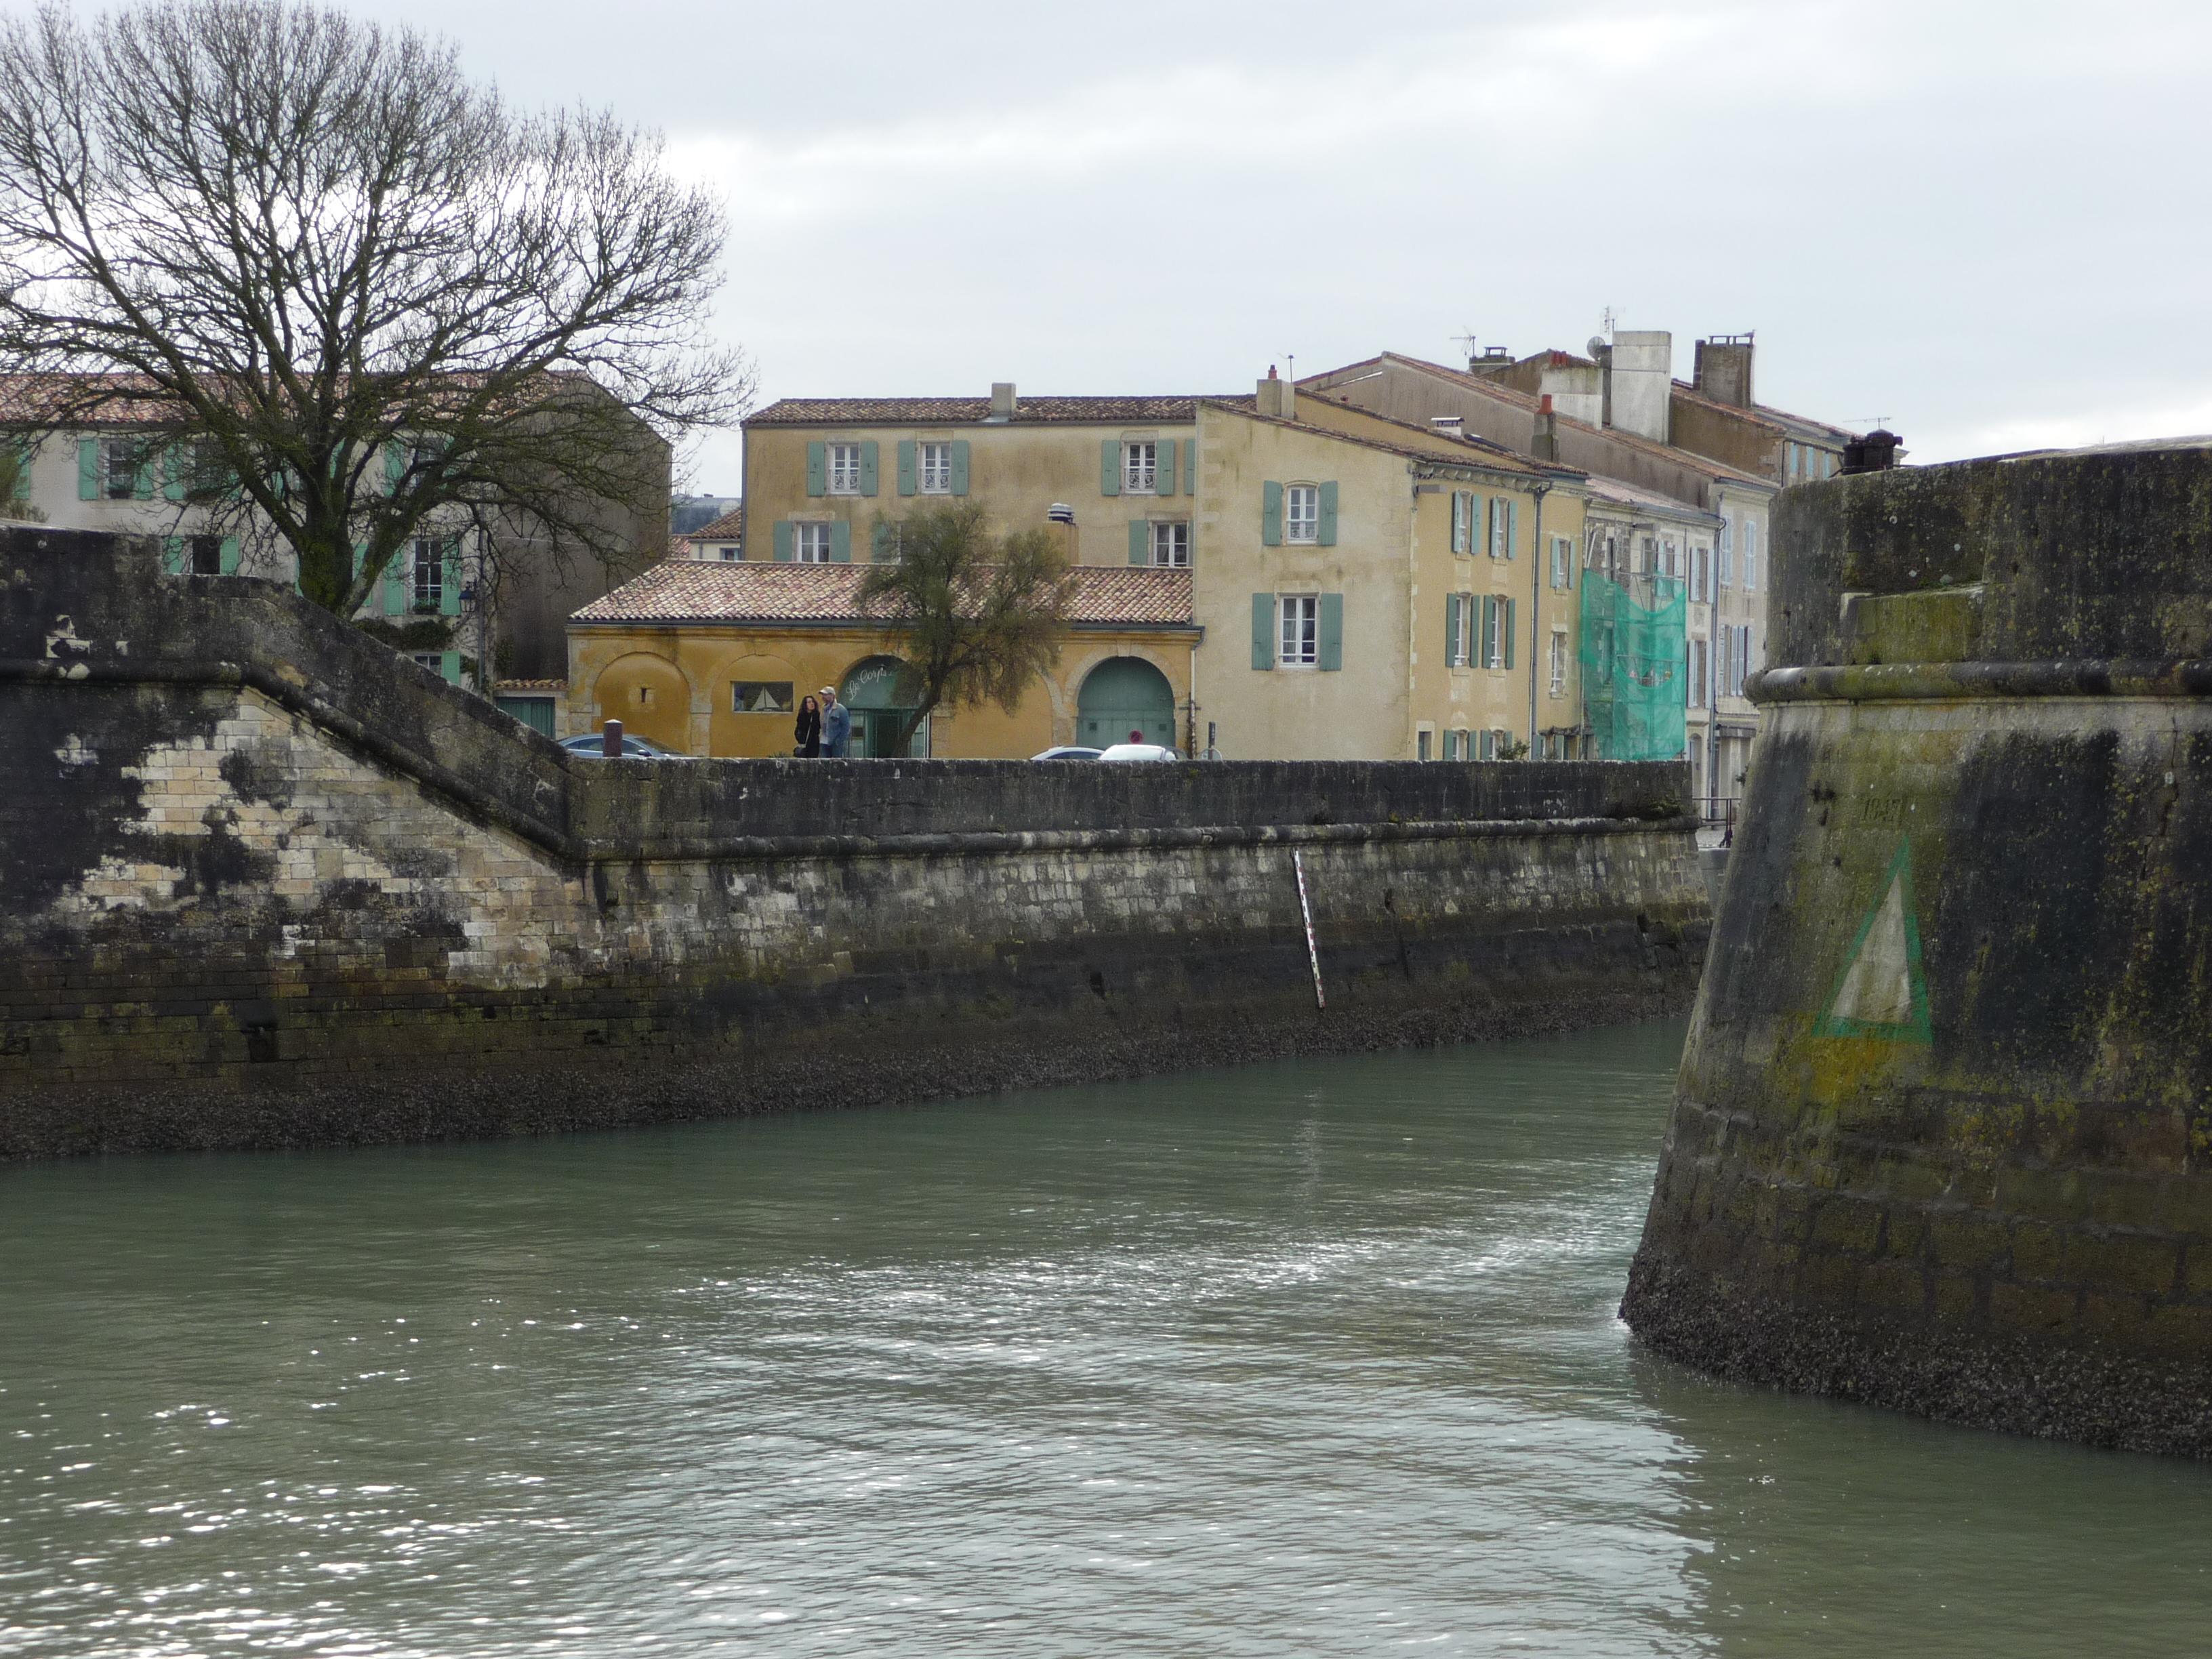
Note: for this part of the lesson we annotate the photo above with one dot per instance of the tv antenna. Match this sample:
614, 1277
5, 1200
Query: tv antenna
1872, 421
1465, 342
1605, 321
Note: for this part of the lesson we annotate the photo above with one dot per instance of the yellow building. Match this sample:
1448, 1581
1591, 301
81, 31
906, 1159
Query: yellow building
1370, 589
1407, 593
713, 659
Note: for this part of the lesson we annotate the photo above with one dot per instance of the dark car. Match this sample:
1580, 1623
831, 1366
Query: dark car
592, 746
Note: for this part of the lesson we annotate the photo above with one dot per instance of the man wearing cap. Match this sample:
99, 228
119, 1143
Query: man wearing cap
836, 724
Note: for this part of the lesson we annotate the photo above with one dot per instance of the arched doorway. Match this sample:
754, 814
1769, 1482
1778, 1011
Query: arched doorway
1124, 694
650, 696
882, 696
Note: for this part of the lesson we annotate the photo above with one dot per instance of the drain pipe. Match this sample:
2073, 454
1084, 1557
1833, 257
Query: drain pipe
1535, 607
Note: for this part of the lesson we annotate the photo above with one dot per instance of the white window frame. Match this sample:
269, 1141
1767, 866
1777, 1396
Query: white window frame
1725, 575
1170, 542
932, 468
427, 557
1501, 527
1463, 611
131, 452
1558, 662
1302, 515
1424, 741
844, 464
1563, 562
1297, 631
1493, 636
1701, 573
811, 542
1750, 556
1140, 467
1462, 521
1697, 672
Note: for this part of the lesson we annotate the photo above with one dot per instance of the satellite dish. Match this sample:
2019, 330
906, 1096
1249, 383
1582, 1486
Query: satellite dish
1598, 347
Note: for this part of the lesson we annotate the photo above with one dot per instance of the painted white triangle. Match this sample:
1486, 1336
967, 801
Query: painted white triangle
1877, 986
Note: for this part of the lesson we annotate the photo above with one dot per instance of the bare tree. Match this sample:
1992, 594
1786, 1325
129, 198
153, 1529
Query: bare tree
356, 297
977, 617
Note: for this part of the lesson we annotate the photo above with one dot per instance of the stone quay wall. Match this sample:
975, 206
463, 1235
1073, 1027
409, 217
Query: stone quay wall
1942, 1135
265, 886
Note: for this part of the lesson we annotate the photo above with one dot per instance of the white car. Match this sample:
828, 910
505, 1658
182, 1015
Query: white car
1137, 751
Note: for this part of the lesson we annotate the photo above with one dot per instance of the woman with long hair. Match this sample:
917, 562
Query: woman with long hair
809, 728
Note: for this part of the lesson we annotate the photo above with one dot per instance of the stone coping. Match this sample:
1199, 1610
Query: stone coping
1944, 682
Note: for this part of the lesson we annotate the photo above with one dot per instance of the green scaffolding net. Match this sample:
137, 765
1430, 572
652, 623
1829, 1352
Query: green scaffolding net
1635, 639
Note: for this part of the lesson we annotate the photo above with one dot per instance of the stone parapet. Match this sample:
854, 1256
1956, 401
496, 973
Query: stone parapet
267, 885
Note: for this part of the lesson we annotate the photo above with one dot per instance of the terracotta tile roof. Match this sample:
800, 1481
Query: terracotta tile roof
679, 547
730, 527
690, 591
956, 411
1441, 449
1489, 388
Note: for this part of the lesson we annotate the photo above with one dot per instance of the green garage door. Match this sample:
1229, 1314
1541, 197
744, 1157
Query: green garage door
882, 695
1124, 694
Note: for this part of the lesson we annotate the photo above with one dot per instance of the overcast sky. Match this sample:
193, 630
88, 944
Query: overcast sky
1983, 220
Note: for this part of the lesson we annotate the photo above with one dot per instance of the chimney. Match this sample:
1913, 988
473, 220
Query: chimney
1449, 426
1002, 400
1278, 396
1543, 444
1875, 452
1724, 370
1640, 382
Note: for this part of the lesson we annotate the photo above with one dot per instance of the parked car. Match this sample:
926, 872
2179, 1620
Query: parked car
592, 746
1137, 751
1067, 751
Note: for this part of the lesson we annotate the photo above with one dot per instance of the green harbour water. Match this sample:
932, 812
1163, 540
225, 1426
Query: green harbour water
1308, 1358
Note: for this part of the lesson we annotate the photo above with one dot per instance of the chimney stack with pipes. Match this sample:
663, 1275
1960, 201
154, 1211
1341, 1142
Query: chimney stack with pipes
1278, 397
1875, 452
1724, 370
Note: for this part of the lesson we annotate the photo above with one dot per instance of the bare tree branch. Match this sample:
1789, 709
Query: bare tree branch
358, 297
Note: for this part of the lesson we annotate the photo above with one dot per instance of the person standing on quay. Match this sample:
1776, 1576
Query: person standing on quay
836, 724
808, 730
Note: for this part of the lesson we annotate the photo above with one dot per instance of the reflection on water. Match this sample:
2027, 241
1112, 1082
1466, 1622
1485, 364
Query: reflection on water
1309, 1357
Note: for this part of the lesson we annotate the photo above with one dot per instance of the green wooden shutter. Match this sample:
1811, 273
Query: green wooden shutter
840, 543
1506, 631
88, 469
869, 462
395, 465
906, 467
1110, 466
1329, 514
785, 536
1512, 526
960, 466
1451, 629
1263, 630
449, 590
880, 542
396, 575
449, 667
226, 555
142, 477
1332, 632
174, 555
1140, 541
1271, 514
1165, 483
1191, 466
817, 468
173, 467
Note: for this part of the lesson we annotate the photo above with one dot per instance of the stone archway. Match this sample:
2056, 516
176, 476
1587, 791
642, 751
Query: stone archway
1124, 694
649, 695
882, 696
